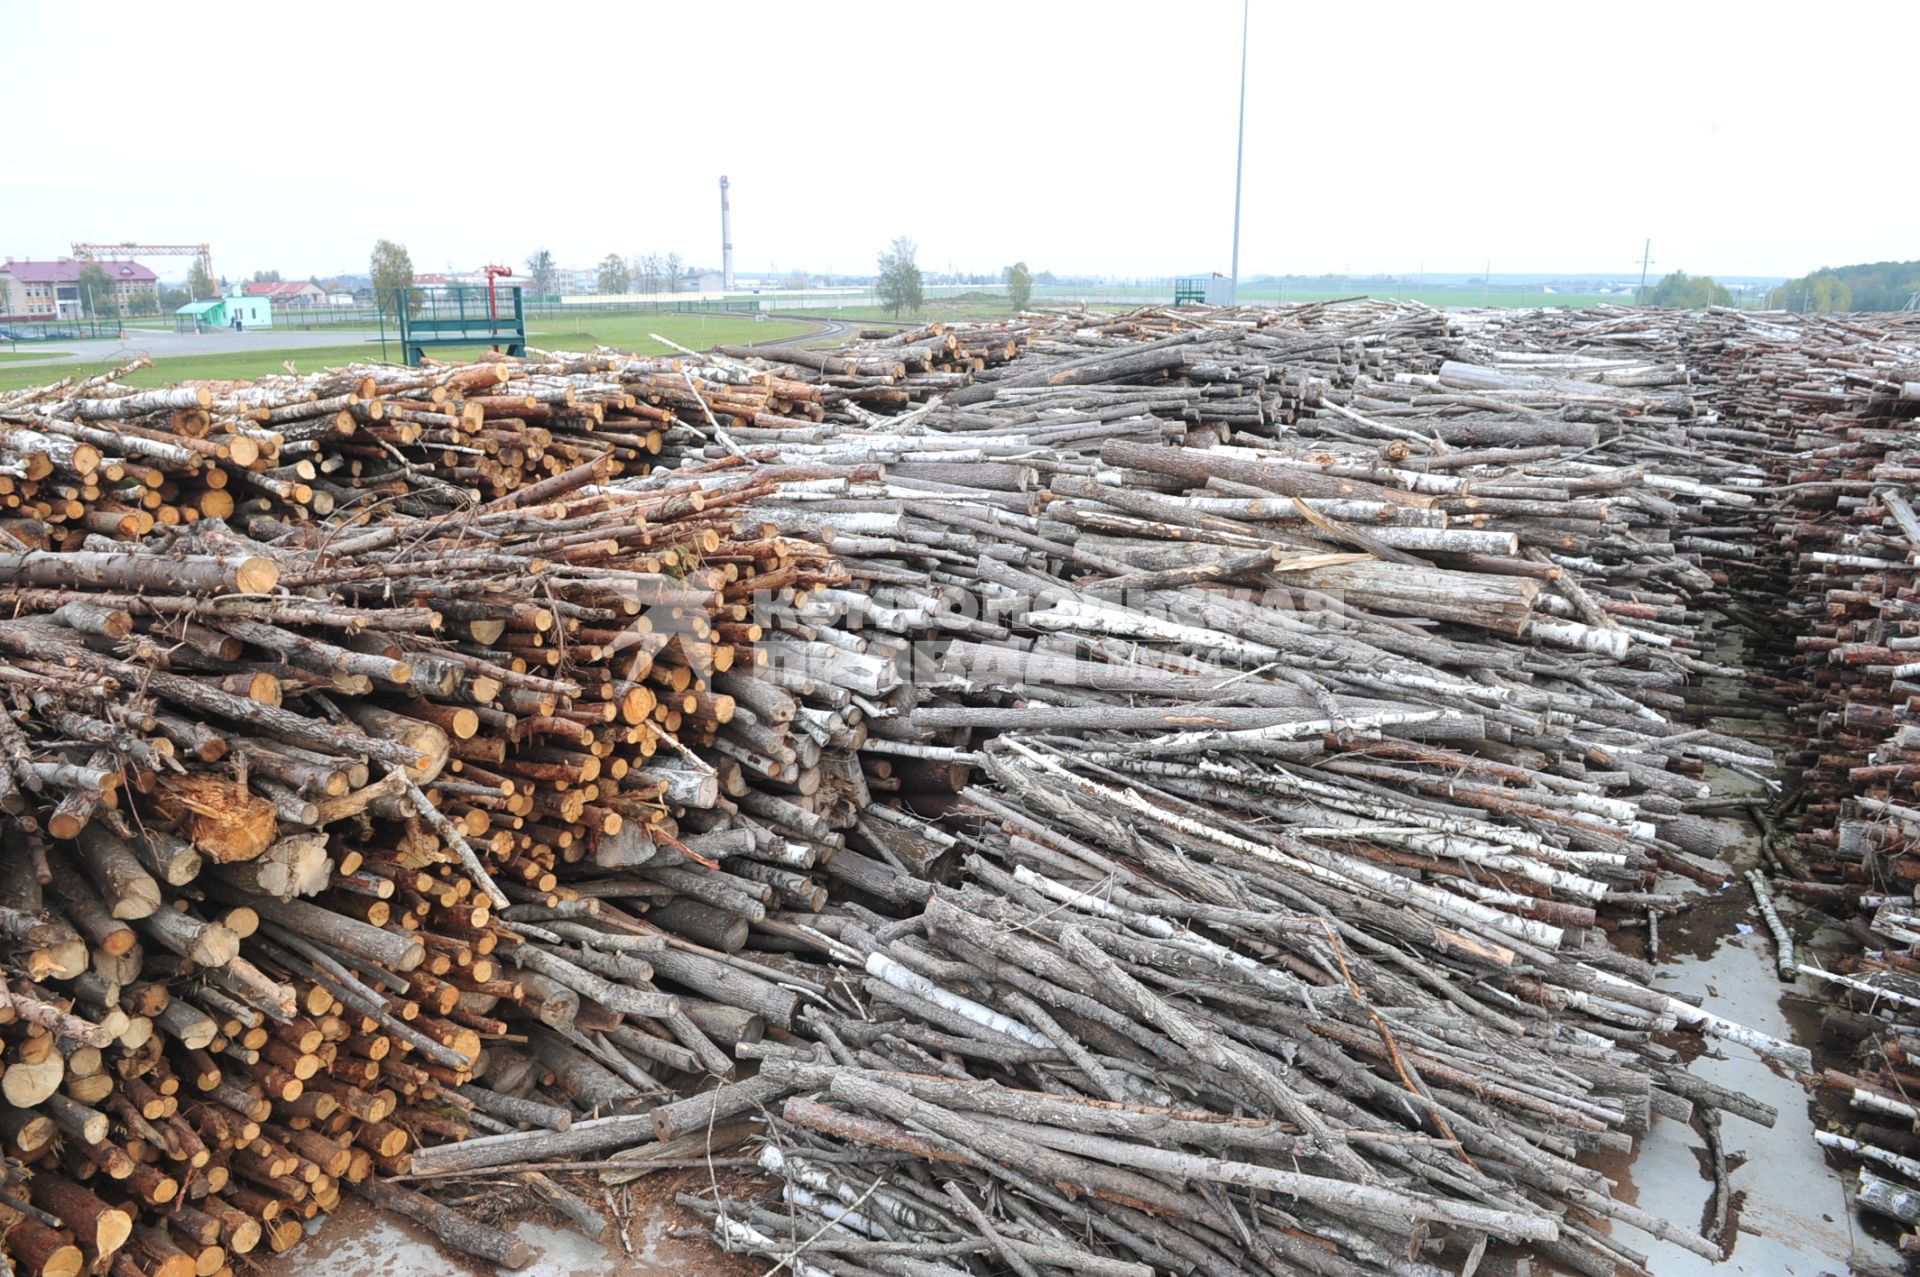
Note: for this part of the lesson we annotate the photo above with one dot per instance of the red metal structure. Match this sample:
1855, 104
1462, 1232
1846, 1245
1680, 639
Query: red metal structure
493, 305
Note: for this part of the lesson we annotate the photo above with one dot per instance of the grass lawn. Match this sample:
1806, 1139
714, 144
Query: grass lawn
627, 332
14, 356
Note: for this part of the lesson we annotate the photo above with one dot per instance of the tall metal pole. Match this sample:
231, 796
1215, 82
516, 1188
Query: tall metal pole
1646, 255
1240, 149
726, 239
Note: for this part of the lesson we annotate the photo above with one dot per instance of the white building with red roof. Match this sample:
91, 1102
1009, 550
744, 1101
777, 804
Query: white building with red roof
291, 293
53, 290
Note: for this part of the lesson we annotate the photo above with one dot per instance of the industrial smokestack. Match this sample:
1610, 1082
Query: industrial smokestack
726, 238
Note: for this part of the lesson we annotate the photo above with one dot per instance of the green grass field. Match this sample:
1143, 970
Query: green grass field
14, 356
625, 332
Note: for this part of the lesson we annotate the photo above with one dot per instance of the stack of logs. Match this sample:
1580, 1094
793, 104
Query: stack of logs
289, 801
99, 458
1177, 773
1834, 401
1387, 658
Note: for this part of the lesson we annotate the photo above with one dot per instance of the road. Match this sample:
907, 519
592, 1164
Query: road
162, 345
825, 332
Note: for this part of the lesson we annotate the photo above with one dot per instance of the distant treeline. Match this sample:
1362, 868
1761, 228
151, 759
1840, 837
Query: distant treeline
1874, 286
1682, 291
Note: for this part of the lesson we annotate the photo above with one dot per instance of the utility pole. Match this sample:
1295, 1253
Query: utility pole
1646, 259
1240, 148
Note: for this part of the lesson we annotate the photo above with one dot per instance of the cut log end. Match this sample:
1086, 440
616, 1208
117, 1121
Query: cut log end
256, 576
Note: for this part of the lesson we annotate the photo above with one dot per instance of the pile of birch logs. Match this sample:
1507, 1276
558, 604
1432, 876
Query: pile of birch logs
1387, 656
97, 458
1157, 798
1838, 561
891, 370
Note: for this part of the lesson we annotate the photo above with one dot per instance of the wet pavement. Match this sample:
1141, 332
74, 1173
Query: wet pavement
1790, 1207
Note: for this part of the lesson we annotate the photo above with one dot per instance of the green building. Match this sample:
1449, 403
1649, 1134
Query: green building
251, 312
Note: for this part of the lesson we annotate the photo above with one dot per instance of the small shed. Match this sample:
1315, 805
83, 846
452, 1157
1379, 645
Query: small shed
197, 316
251, 312
221, 312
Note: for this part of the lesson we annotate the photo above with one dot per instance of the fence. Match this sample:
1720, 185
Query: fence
14, 331
300, 318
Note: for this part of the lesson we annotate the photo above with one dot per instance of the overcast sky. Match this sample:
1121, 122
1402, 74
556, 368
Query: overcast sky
1083, 138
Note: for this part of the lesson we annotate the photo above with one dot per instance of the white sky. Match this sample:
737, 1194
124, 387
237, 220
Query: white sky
1757, 138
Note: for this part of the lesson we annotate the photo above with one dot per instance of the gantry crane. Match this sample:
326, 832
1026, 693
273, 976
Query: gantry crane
90, 252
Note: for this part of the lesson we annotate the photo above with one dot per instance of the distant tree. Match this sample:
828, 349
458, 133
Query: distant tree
543, 273
144, 302
614, 276
1821, 292
172, 299
1681, 291
647, 270
200, 285
1019, 285
97, 288
267, 277
1828, 293
796, 279
899, 280
674, 271
392, 273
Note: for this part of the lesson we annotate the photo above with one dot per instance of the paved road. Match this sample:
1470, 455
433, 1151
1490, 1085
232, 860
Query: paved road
161, 345
830, 331
824, 331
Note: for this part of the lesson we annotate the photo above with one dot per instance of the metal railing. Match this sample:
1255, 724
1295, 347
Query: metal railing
454, 315
14, 331
301, 318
